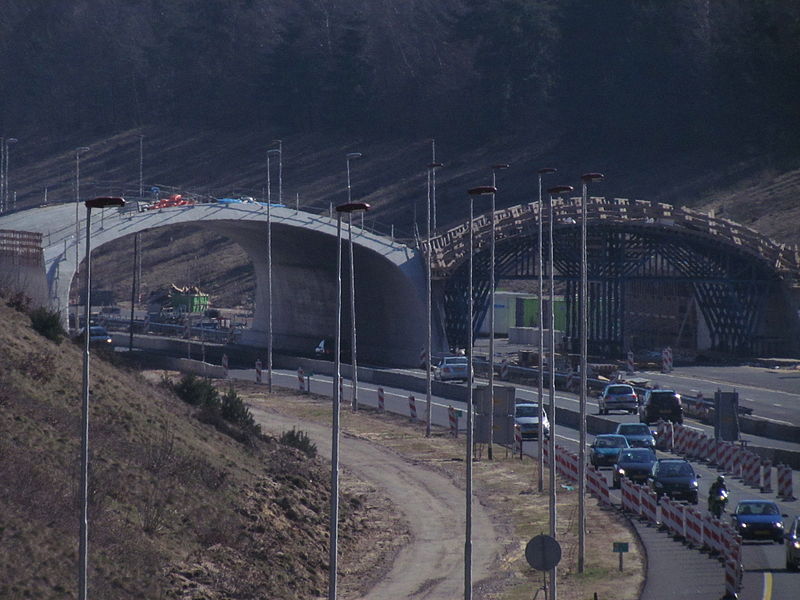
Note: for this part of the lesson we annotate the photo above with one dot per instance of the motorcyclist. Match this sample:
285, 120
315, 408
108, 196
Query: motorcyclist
717, 496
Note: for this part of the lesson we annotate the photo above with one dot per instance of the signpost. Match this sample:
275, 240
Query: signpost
543, 553
620, 548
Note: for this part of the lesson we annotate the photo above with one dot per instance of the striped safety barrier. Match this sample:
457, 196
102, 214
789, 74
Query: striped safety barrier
649, 504
672, 517
731, 543
301, 380
785, 490
452, 417
504, 369
766, 477
258, 370
712, 534
412, 408
751, 469
629, 493
598, 485
630, 366
694, 526
665, 435
731, 578
517, 441
666, 360
381, 400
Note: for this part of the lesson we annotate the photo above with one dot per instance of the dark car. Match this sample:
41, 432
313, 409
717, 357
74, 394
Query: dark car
606, 448
674, 477
637, 434
793, 545
618, 396
758, 519
324, 349
661, 404
635, 464
98, 336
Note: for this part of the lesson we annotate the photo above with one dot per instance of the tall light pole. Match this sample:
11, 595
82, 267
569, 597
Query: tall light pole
585, 179
433, 183
279, 150
141, 166
429, 343
8, 142
353, 354
553, 192
269, 272
78, 152
495, 168
83, 559
540, 444
333, 527
478, 191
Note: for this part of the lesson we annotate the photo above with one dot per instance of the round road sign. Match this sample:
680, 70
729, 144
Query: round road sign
543, 552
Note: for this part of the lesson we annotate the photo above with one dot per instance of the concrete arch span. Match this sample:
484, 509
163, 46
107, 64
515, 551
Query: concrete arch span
390, 279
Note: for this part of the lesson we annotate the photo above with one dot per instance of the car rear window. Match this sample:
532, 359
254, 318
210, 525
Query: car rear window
664, 398
458, 360
633, 429
620, 389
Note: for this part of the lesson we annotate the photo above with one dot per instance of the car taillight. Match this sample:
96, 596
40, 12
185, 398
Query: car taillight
446, 369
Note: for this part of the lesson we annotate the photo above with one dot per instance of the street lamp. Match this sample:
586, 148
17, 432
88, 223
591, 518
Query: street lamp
141, 166
428, 395
83, 560
279, 150
353, 354
540, 445
495, 168
4, 173
78, 152
553, 193
269, 272
584, 320
478, 191
333, 527
433, 183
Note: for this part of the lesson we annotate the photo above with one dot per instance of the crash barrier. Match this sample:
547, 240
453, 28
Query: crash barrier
225, 365
566, 463
693, 526
731, 578
664, 435
672, 517
751, 469
517, 441
629, 492
649, 505
301, 380
381, 400
712, 534
452, 417
412, 408
785, 490
258, 371
598, 485
630, 367
504, 370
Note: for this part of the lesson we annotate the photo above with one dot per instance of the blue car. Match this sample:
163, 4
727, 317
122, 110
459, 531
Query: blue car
606, 448
759, 519
637, 434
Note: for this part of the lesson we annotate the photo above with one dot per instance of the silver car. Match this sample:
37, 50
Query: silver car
452, 367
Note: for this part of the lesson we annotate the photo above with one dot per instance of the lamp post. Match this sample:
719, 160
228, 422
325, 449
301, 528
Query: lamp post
269, 272
333, 527
78, 152
83, 561
4, 172
553, 192
429, 343
540, 449
478, 191
433, 183
141, 166
353, 354
584, 320
279, 151
495, 168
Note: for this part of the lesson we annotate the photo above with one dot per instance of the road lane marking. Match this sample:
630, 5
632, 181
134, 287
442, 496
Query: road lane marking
767, 586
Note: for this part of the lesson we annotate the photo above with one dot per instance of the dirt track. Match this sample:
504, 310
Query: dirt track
431, 566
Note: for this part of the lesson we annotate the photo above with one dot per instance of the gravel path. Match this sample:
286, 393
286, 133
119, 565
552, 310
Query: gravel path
431, 566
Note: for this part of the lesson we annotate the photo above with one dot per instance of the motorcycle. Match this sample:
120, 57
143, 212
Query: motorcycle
717, 502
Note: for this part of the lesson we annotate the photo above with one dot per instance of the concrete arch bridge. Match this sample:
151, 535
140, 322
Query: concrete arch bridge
390, 280
657, 276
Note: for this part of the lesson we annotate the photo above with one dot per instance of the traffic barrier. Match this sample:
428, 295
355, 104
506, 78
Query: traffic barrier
423, 358
301, 382
517, 441
731, 543
629, 493
504, 369
665, 435
751, 469
785, 490
705, 448
672, 516
681, 433
737, 457
381, 400
694, 526
225, 364
649, 504
568, 463
258, 370
412, 408
712, 533
726, 460
731, 579
666, 360
452, 417
766, 477
630, 367
598, 485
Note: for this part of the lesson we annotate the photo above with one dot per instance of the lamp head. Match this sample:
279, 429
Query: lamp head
435, 165
353, 155
500, 166
350, 207
559, 189
483, 190
10, 141
273, 151
587, 177
547, 170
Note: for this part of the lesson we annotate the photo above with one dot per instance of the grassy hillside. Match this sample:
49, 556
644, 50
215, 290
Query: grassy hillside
178, 509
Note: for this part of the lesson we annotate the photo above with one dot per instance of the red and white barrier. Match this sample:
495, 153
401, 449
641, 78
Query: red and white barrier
672, 517
694, 526
301, 381
598, 485
785, 490
766, 477
666, 360
731, 578
567, 463
225, 364
258, 371
504, 370
629, 493
381, 400
665, 435
630, 367
412, 408
452, 417
649, 504
517, 441
751, 469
